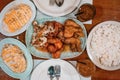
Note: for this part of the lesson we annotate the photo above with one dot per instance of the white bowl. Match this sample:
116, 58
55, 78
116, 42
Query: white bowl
68, 71
55, 11
94, 54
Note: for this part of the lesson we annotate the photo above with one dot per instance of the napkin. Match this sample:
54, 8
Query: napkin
40, 15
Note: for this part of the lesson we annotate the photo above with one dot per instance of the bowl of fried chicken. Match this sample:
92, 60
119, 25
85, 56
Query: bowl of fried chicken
56, 38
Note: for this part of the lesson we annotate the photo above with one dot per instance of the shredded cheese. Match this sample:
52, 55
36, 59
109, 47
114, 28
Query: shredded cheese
17, 17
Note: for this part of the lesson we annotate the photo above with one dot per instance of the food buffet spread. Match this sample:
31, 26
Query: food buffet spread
55, 36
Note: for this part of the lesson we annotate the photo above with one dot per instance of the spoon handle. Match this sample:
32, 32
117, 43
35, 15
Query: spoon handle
51, 78
57, 78
51, 2
79, 13
59, 2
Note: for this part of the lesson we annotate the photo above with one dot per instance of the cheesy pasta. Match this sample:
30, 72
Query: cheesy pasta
14, 58
17, 17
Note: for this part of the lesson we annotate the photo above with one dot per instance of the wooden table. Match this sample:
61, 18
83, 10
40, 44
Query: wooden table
105, 10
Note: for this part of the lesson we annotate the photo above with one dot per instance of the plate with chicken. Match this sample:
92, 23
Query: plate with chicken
56, 38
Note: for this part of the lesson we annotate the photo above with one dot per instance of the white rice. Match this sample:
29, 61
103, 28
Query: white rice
105, 44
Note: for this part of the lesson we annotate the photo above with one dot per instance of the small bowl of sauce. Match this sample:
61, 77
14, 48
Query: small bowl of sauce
86, 68
86, 12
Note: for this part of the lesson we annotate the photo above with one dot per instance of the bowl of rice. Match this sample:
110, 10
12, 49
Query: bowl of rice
103, 45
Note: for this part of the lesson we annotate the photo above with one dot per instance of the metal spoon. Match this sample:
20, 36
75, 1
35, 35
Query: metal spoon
59, 2
51, 72
79, 13
51, 2
57, 71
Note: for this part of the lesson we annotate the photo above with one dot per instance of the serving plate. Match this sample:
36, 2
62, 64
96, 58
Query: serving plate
94, 56
55, 11
67, 73
64, 55
7, 8
27, 56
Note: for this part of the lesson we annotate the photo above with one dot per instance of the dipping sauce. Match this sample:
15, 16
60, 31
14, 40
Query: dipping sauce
85, 67
86, 12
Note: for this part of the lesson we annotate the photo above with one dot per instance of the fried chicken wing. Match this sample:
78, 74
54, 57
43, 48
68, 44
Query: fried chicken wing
51, 48
71, 22
74, 44
70, 31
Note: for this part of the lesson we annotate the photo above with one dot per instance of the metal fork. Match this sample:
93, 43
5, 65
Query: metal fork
57, 71
51, 2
